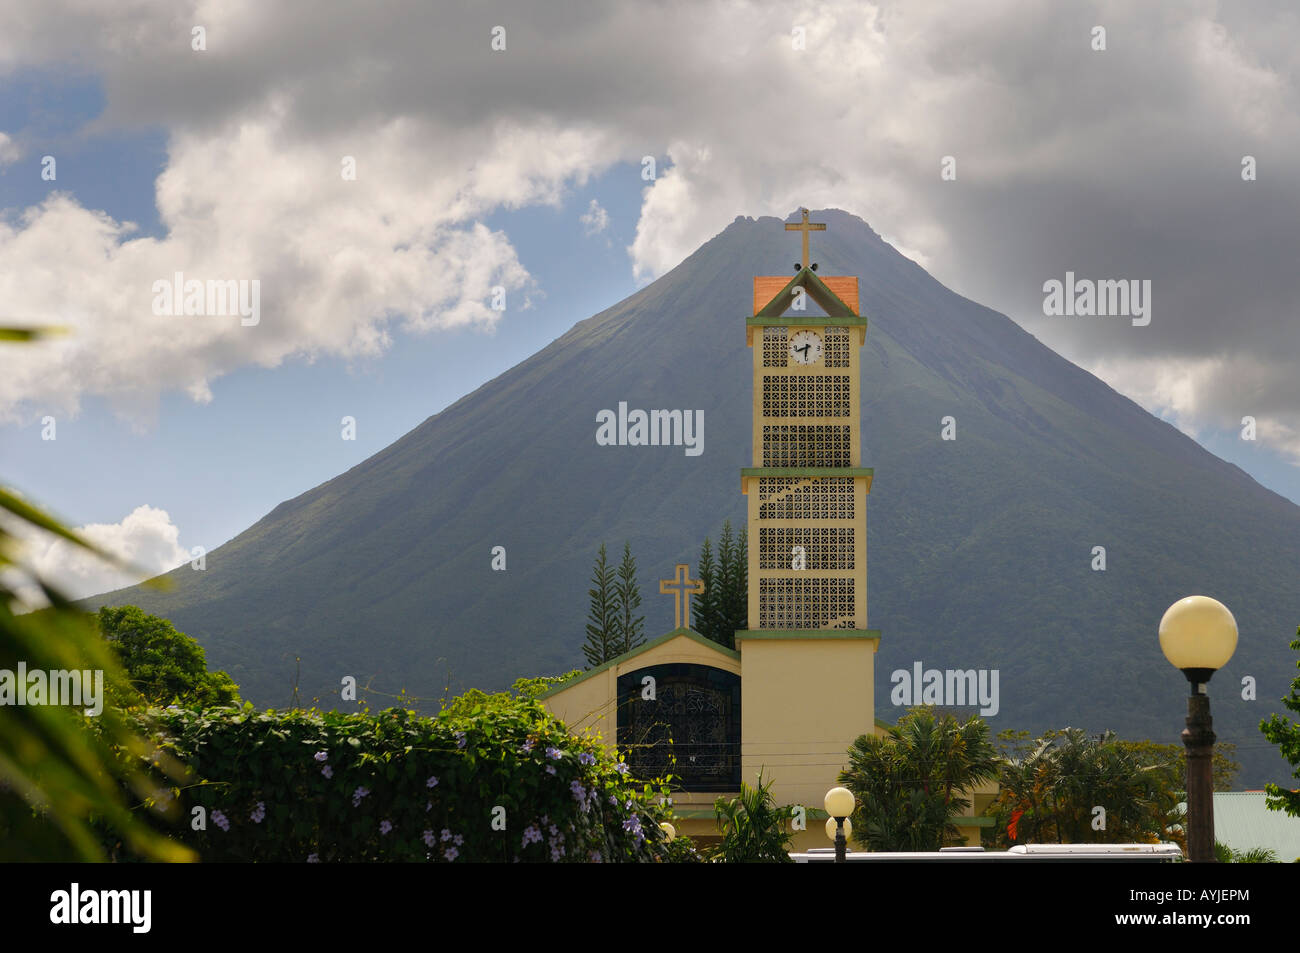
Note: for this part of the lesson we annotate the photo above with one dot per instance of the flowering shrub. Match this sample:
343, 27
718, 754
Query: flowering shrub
503, 783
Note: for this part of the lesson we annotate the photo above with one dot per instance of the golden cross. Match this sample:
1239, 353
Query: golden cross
681, 588
805, 227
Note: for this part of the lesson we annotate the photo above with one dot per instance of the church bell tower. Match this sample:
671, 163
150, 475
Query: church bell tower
807, 655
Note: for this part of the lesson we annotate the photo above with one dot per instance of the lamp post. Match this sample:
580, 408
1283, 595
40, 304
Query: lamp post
839, 805
1198, 635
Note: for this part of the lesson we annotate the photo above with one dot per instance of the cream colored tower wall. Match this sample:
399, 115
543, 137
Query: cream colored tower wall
803, 703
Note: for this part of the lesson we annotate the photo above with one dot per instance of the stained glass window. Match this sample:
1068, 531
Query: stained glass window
694, 718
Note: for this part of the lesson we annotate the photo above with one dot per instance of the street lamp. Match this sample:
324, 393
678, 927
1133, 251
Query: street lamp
1198, 635
833, 827
839, 805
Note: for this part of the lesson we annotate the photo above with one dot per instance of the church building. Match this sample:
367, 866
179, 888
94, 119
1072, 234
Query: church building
799, 688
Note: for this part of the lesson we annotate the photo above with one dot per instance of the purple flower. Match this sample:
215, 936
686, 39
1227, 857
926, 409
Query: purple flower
428, 806
320, 756
428, 839
327, 771
458, 840
555, 754
528, 746
358, 794
220, 820
633, 826
586, 757
385, 826
460, 739
451, 853
432, 782
531, 835
579, 794
556, 853
446, 835
550, 769
595, 857
259, 812
313, 859
621, 768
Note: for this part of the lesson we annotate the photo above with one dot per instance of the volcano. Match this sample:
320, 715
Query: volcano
980, 548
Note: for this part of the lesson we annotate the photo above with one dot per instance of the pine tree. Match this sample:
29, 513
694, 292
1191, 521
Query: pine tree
602, 620
732, 601
627, 599
735, 613
704, 610
726, 581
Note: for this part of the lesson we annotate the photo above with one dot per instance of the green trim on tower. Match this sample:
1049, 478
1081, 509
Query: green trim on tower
801, 634
807, 471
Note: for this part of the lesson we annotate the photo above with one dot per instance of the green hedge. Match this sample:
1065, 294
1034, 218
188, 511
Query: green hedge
322, 786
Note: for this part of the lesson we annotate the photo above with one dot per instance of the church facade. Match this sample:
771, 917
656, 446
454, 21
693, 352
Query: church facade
799, 688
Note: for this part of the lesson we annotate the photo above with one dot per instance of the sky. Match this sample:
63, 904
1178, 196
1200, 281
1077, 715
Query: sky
383, 171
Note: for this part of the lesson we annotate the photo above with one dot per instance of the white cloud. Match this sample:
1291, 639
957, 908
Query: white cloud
145, 540
9, 151
595, 220
1195, 394
1116, 164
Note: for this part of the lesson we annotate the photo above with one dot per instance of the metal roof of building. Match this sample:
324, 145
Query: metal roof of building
1242, 821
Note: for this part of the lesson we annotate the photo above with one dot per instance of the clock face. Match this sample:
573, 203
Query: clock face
805, 347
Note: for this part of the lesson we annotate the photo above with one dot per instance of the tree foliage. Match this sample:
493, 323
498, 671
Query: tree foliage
912, 784
476, 783
163, 665
1251, 855
602, 616
1285, 733
753, 826
62, 773
523, 690
1223, 766
704, 607
723, 607
627, 599
1052, 787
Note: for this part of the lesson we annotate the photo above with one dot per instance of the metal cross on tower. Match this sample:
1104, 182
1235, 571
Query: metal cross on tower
805, 226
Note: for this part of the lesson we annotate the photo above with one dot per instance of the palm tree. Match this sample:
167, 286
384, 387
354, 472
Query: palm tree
753, 827
912, 783
1054, 790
